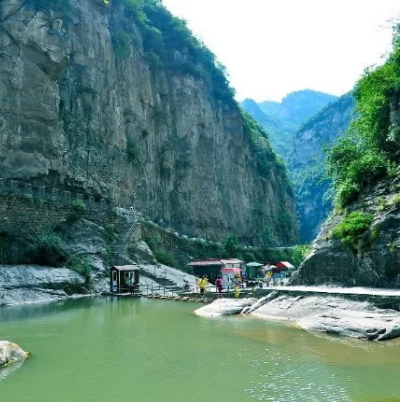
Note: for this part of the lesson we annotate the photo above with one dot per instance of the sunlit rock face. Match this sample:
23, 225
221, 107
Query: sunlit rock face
75, 115
223, 307
374, 258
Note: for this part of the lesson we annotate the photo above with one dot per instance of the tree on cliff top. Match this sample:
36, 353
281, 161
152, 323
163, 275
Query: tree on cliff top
369, 148
164, 34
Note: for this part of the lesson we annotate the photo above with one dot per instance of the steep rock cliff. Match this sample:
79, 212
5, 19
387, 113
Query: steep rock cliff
84, 107
371, 258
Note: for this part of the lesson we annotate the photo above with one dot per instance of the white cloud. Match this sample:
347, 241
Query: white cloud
273, 47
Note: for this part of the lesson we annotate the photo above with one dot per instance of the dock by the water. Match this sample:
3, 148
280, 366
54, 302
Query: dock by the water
382, 298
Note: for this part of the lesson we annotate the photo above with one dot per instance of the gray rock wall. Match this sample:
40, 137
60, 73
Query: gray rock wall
35, 284
74, 115
375, 258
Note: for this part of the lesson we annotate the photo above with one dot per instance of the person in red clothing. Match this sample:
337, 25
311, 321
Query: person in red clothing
218, 284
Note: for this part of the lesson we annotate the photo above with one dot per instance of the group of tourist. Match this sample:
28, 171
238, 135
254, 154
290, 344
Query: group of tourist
236, 283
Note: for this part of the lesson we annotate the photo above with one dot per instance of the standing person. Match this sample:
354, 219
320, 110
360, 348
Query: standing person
218, 284
203, 282
238, 283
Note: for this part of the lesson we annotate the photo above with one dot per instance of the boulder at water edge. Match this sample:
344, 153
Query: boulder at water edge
221, 307
11, 353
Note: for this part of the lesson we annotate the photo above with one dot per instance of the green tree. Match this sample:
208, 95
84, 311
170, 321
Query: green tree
365, 153
231, 245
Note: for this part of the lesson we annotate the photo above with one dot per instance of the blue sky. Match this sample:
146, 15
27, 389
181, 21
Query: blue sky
273, 47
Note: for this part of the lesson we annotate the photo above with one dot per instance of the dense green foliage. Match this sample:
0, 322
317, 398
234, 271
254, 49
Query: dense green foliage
369, 148
82, 265
280, 133
231, 245
79, 206
122, 43
162, 36
267, 160
352, 227
178, 251
47, 249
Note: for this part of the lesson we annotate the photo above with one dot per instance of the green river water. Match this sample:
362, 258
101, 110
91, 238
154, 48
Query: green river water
102, 350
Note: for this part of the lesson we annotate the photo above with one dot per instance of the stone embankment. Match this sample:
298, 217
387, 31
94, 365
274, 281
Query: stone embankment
352, 314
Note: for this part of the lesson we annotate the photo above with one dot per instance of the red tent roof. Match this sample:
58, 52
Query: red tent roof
284, 264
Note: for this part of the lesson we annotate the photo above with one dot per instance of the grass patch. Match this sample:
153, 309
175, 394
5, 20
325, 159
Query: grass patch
82, 265
165, 258
79, 206
353, 225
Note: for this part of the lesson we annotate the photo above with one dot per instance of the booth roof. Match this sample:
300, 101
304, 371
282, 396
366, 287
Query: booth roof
203, 263
253, 264
226, 270
232, 261
126, 268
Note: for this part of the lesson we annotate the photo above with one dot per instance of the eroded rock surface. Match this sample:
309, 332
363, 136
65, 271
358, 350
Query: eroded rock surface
222, 307
334, 315
374, 258
35, 284
314, 313
11, 353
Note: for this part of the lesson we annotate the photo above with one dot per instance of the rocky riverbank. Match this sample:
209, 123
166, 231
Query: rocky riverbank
30, 284
26, 284
316, 313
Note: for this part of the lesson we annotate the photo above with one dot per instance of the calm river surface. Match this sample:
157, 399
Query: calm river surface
102, 350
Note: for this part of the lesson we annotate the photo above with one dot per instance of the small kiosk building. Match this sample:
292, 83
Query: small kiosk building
252, 269
122, 276
214, 267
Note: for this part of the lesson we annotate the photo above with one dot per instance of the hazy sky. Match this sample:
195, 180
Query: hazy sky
273, 47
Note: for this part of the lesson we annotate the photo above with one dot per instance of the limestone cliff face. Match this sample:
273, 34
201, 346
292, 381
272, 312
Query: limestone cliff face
75, 115
374, 260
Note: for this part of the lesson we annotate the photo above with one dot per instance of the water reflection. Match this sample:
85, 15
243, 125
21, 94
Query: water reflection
6, 371
56, 308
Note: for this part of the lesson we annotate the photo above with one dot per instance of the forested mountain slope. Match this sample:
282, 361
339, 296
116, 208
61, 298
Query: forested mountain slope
298, 106
306, 164
282, 119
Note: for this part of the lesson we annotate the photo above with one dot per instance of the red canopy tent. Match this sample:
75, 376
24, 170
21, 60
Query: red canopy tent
284, 265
